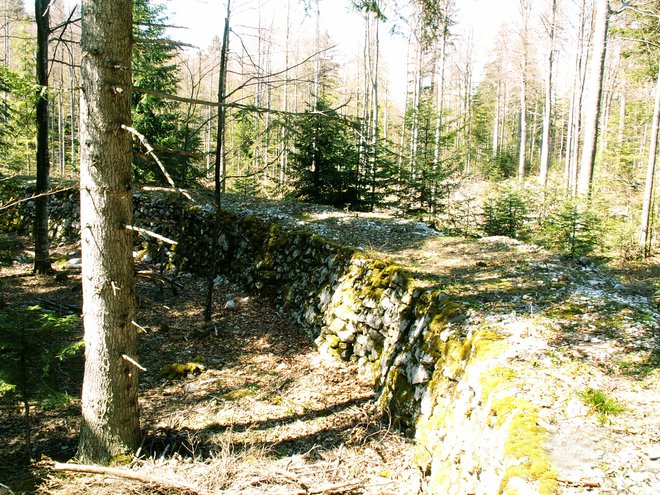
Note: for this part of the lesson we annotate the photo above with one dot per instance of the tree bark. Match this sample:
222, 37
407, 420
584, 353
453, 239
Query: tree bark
41, 245
220, 171
593, 99
110, 419
645, 226
547, 108
525, 10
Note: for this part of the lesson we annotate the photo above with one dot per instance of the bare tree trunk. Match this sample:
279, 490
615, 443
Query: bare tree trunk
525, 10
622, 116
574, 122
110, 418
41, 245
72, 103
496, 119
593, 99
220, 170
285, 106
645, 225
547, 108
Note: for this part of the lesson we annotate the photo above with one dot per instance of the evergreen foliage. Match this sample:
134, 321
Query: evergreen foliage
572, 229
17, 123
506, 213
173, 135
427, 176
324, 161
35, 346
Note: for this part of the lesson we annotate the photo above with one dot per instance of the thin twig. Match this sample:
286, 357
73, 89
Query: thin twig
34, 196
141, 328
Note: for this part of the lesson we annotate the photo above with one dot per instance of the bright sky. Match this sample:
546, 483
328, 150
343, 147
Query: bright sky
203, 19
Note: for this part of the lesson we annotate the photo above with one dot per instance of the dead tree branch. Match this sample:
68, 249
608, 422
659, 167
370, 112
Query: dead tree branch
127, 474
150, 152
149, 233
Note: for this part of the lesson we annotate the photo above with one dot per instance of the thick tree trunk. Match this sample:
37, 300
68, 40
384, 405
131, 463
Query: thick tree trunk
41, 247
110, 421
593, 99
645, 226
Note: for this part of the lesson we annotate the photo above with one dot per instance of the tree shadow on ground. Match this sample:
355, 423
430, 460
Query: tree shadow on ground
188, 442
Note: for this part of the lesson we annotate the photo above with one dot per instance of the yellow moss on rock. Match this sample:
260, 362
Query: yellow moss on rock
525, 443
181, 370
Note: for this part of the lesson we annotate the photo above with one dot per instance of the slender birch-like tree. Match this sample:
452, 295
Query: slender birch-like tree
592, 104
547, 107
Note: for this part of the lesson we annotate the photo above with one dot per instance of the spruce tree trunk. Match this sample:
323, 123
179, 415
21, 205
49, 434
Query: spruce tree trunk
110, 422
41, 247
593, 99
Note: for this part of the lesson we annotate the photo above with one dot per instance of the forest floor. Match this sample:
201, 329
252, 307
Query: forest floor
264, 414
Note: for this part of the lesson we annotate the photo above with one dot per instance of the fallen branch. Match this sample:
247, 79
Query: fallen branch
149, 233
127, 474
336, 488
580, 483
34, 196
152, 154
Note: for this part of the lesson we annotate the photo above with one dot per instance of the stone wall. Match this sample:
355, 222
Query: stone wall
445, 382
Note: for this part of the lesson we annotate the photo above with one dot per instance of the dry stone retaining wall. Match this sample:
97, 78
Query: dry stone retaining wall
444, 382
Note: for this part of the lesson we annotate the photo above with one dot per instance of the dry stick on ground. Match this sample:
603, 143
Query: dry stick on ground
127, 474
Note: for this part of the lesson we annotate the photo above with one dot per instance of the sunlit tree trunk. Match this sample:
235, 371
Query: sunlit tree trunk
622, 117
525, 10
496, 119
593, 99
574, 120
285, 104
110, 420
645, 225
547, 108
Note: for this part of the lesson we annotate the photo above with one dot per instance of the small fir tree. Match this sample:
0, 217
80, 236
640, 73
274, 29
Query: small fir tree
324, 161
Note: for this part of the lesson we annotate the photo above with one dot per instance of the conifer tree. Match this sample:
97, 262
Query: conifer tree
160, 120
324, 161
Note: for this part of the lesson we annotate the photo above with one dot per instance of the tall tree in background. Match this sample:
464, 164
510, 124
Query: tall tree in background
157, 118
41, 248
110, 422
525, 13
592, 104
645, 223
220, 173
547, 106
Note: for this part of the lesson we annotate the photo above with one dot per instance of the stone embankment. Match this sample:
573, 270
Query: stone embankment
483, 394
